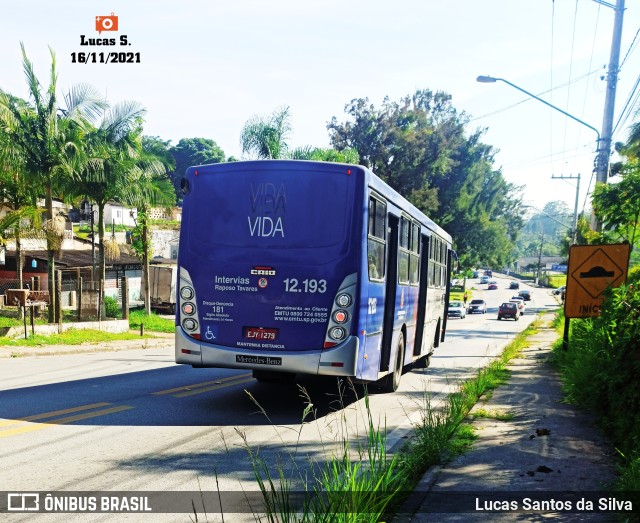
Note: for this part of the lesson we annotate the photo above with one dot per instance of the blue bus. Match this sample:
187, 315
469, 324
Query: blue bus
297, 267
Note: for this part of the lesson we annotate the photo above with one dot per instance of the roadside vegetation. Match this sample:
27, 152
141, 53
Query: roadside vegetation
601, 369
364, 480
70, 337
153, 323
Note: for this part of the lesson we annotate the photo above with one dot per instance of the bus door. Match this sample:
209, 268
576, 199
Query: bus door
422, 294
390, 292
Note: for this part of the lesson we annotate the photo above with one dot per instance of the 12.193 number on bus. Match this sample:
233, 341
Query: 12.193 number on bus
308, 285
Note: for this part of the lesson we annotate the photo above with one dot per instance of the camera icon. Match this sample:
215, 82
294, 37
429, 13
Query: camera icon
106, 23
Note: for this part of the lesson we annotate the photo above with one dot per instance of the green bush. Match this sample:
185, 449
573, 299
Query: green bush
601, 368
111, 307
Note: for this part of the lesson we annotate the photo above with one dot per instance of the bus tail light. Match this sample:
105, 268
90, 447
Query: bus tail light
188, 308
342, 312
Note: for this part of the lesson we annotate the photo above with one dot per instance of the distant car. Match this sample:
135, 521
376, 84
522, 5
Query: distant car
477, 306
514, 285
492, 286
456, 309
520, 301
488, 272
476, 274
508, 310
525, 294
560, 290
484, 279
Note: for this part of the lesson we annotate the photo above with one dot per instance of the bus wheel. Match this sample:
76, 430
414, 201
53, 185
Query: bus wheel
392, 381
265, 376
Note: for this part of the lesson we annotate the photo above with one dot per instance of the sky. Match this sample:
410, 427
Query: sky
207, 66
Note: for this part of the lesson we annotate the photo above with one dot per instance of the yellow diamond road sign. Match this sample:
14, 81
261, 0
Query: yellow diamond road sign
592, 269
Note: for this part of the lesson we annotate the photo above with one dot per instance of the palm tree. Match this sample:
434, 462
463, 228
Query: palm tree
266, 136
112, 151
149, 186
49, 138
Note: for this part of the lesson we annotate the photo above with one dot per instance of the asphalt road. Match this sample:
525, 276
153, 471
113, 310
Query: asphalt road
135, 421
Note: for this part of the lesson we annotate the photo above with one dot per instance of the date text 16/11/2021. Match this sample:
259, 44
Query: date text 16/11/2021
105, 57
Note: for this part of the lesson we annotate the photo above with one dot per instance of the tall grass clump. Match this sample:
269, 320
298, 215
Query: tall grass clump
601, 370
355, 483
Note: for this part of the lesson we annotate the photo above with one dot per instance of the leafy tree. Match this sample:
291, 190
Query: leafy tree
50, 138
419, 146
187, 152
319, 154
617, 205
266, 137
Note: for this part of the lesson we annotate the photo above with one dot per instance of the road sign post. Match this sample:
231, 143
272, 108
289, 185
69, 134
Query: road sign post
592, 270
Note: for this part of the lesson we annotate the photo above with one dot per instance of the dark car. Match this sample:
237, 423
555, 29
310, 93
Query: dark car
526, 295
514, 285
488, 272
509, 310
477, 306
493, 286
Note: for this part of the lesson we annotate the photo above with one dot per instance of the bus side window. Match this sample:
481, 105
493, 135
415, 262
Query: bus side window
403, 250
376, 238
414, 257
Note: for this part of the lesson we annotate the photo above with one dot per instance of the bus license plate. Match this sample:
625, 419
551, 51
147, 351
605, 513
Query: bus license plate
260, 333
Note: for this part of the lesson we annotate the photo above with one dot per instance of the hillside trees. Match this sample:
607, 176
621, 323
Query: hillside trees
419, 146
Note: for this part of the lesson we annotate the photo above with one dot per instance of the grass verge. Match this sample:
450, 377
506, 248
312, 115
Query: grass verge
70, 337
152, 322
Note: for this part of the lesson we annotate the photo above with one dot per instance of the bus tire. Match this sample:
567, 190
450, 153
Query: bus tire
392, 380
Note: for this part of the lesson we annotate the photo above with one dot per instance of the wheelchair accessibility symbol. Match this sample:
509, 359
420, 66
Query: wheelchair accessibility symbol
211, 333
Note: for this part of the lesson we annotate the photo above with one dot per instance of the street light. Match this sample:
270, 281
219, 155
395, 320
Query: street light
491, 80
599, 157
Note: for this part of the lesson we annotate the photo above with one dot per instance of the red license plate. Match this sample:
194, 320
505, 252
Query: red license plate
260, 333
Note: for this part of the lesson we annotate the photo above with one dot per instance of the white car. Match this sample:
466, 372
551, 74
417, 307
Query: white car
456, 309
521, 303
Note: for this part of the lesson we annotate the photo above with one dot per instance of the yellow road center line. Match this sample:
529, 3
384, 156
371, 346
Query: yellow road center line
203, 384
52, 414
62, 421
214, 387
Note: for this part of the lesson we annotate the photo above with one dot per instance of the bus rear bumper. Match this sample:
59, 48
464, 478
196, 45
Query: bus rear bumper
336, 361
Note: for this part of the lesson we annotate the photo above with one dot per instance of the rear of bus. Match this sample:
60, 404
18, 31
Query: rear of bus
268, 261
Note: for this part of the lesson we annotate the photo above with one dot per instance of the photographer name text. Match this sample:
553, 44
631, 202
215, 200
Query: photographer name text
552, 505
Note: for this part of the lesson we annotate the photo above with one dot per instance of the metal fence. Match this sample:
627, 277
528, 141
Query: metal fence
78, 296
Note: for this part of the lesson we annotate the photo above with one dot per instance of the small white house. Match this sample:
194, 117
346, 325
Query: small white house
118, 214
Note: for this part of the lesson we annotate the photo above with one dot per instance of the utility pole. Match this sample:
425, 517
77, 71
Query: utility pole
540, 259
574, 229
604, 147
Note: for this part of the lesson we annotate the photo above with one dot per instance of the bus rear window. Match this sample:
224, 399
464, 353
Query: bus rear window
297, 209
